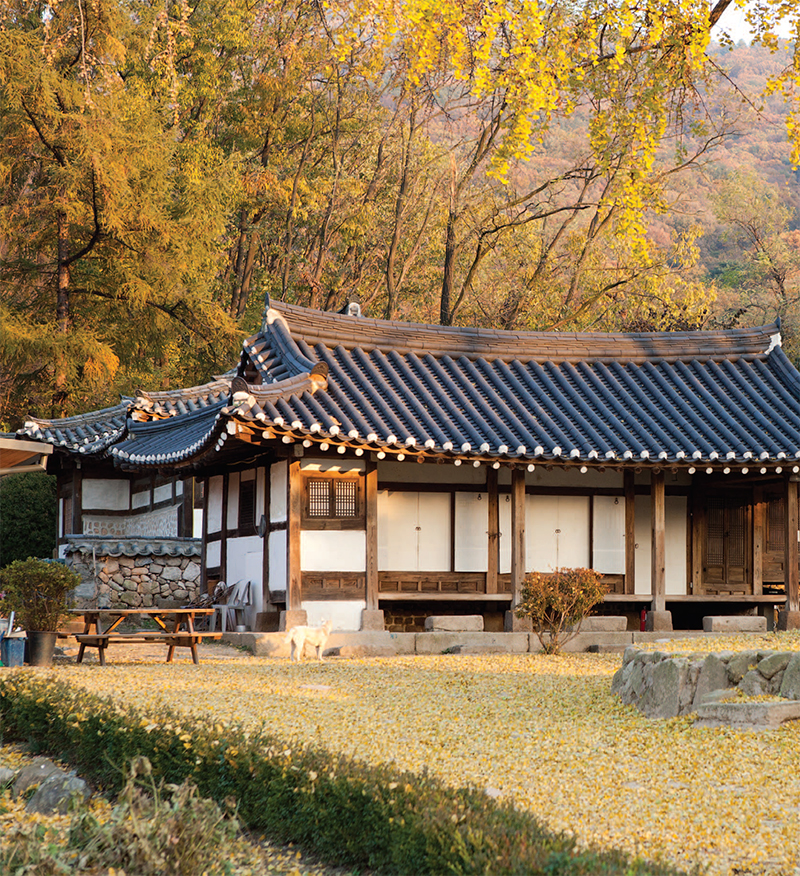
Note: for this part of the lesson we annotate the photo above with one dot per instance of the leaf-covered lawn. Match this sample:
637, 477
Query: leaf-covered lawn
544, 731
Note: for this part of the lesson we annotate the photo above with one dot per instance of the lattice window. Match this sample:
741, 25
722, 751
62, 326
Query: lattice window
776, 524
333, 499
716, 531
247, 507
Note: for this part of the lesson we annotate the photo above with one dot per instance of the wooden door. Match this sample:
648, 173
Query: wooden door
727, 543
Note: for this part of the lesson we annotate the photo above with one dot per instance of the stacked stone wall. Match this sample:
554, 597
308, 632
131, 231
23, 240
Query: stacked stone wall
136, 582
667, 685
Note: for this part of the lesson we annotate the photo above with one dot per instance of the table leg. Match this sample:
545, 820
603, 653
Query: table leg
80, 652
102, 654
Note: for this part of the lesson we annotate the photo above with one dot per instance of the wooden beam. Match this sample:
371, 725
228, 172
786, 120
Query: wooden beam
294, 590
790, 564
493, 532
629, 486
659, 542
371, 501
517, 534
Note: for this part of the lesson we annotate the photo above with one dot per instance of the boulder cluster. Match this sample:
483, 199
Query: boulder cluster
667, 685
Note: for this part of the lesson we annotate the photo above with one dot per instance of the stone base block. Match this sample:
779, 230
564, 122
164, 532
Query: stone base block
788, 620
370, 644
602, 623
454, 623
734, 623
472, 643
291, 619
514, 624
746, 716
658, 621
372, 620
595, 642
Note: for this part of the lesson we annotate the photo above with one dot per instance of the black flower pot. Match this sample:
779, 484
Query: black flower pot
41, 647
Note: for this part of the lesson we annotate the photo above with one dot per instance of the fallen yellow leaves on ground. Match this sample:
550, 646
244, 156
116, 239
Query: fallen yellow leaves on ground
543, 731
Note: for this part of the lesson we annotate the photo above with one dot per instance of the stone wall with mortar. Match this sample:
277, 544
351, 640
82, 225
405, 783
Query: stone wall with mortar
136, 577
666, 685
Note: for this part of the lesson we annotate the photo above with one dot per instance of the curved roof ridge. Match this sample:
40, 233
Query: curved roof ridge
334, 329
76, 419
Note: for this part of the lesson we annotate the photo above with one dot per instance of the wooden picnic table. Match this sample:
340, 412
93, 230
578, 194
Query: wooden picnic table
175, 627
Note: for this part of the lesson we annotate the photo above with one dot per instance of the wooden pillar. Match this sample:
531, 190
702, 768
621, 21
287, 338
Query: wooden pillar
371, 501
204, 543
517, 534
759, 514
658, 552
790, 564
493, 532
628, 479
294, 590
223, 545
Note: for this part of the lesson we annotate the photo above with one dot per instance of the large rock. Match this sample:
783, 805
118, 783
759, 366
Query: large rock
776, 662
7, 776
34, 773
58, 793
747, 716
790, 684
713, 677
754, 684
740, 664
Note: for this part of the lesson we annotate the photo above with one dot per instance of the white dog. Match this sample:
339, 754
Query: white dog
300, 636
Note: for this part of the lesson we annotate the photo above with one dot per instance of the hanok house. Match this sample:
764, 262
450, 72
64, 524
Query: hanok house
377, 472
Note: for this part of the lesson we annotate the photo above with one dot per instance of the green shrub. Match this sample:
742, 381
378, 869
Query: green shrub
38, 591
346, 812
557, 604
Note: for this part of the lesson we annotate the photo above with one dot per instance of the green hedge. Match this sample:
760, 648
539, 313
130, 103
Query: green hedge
346, 812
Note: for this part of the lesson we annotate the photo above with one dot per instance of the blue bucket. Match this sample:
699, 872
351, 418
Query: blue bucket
12, 651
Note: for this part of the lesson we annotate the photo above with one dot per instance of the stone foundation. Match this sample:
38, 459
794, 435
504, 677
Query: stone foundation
134, 574
664, 686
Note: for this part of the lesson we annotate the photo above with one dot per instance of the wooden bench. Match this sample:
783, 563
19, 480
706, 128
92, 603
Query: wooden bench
180, 639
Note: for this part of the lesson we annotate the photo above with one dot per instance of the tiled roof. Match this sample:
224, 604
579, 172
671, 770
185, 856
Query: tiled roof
102, 546
84, 433
680, 397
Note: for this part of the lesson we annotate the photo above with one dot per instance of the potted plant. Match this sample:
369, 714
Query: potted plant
39, 591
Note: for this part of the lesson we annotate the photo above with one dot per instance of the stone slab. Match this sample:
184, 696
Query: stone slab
605, 623
454, 623
584, 642
293, 618
746, 716
345, 644
514, 624
472, 643
734, 623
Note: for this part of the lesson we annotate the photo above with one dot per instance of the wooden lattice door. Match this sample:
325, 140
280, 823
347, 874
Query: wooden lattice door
727, 550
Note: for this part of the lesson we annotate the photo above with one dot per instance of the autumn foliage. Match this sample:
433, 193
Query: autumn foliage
558, 603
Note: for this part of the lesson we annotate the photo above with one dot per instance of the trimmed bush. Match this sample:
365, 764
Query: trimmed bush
557, 604
346, 812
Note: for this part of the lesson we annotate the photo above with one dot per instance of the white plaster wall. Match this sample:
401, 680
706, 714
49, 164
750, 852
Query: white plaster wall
213, 554
140, 499
608, 536
345, 614
278, 485
233, 500
413, 531
333, 550
333, 465
106, 494
427, 473
278, 566
214, 504
556, 532
261, 494
572, 477
197, 522
162, 493
471, 529
675, 512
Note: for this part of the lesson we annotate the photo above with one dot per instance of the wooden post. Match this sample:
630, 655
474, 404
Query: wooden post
493, 531
658, 552
371, 500
517, 534
790, 564
629, 486
759, 513
294, 591
204, 547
